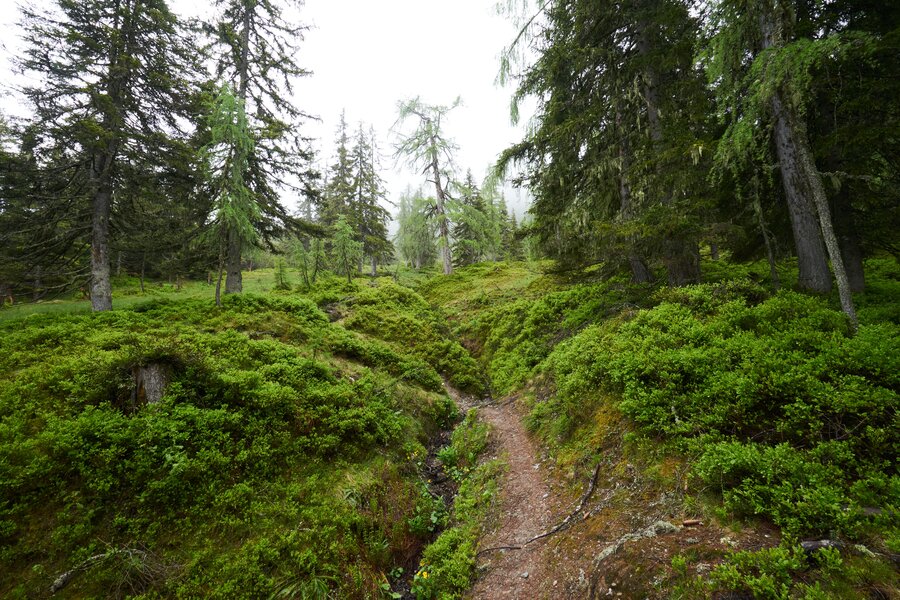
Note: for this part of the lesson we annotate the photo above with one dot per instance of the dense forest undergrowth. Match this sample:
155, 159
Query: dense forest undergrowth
285, 453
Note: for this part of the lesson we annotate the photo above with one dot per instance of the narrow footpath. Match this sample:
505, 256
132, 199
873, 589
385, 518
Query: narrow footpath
527, 510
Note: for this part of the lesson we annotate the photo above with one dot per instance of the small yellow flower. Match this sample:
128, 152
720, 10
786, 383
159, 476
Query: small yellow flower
424, 574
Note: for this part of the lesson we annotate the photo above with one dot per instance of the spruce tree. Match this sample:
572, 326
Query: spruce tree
111, 89
614, 159
345, 251
371, 216
339, 192
475, 232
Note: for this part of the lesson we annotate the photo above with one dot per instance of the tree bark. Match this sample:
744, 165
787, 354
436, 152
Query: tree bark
440, 210
681, 257
233, 279
374, 266
812, 257
640, 273
101, 289
820, 200
812, 260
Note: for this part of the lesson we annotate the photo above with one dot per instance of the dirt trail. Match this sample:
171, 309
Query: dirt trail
527, 510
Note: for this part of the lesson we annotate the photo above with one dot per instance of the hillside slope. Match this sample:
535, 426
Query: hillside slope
752, 417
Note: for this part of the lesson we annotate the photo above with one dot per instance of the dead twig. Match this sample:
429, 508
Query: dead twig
568, 520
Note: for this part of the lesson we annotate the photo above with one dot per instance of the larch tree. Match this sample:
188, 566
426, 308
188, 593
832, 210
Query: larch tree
256, 45
235, 206
428, 149
111, 87
415, 232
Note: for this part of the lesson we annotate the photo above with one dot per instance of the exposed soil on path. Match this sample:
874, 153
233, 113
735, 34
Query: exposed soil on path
604, 550
528, 507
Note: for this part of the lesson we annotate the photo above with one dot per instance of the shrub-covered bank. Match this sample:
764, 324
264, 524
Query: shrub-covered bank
779, 412
283, 458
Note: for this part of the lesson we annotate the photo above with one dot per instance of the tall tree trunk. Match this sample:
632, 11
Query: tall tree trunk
374, 266
681, 257
233, 279
812, 258
640, 273
714, 250
443, 223
101, 289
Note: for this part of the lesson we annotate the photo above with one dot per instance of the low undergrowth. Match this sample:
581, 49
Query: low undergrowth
282, 459
447, 568
780, 412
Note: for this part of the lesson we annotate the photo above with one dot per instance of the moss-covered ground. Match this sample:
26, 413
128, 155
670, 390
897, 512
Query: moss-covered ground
747, 407
286, 457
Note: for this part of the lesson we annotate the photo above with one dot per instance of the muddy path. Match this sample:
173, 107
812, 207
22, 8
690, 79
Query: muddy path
528, 507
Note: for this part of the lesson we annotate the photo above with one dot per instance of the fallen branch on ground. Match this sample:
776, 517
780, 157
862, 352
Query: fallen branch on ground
568, 520
63, 580
562, 524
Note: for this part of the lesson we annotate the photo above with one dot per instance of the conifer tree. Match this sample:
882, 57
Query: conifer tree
345, 251
774, 89
110, 92
614, 160
256, 49
476, 231
236, 208
367, 211
415, 232
427, 148
339, 191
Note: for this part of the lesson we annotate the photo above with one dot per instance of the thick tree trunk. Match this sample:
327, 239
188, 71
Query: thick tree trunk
374, 267
640, 273
233, 279
101, 290
812, 256
681, 257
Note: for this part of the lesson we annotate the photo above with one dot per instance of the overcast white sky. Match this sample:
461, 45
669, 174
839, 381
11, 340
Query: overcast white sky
367, 55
